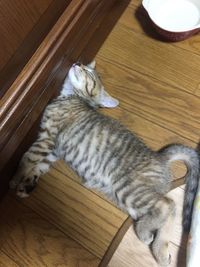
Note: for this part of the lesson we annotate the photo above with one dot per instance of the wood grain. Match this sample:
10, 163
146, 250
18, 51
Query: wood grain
135, 20
145, 128
31, 39
77, 211
150, 98
17, 19
160, 60
33, 241
158, 101
5, 261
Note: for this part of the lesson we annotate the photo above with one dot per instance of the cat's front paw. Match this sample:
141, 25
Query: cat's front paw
26, 186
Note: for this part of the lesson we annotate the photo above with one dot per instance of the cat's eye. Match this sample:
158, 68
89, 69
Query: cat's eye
90, 74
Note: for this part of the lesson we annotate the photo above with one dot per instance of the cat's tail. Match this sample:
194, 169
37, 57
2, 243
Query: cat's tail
192, 160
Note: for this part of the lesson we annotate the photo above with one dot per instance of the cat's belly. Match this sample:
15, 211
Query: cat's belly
88, 163
91, 172
93, 179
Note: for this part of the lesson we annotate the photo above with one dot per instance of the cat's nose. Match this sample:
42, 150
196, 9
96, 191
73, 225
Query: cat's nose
78, 64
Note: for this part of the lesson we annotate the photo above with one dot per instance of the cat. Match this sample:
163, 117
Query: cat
109, 158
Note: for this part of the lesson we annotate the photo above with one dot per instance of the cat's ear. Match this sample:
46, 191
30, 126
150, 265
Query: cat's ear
92, 64
108, 101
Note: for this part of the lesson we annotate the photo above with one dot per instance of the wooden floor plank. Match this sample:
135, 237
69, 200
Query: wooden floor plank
146, 129
156, 83
30, 240
160, 103
153, 58
5, 261
77, 211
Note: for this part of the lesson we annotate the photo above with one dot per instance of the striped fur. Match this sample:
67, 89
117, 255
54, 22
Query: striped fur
109, 158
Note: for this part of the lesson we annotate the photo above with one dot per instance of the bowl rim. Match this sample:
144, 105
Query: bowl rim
194, 28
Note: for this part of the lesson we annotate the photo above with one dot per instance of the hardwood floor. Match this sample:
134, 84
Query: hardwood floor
158, 85
26, 239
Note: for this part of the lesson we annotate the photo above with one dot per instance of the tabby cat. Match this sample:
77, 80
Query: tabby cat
109, 158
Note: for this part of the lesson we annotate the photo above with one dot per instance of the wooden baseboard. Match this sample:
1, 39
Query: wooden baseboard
73, 37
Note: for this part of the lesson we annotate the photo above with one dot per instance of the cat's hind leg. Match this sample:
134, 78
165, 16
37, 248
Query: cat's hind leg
35, 162
159, 223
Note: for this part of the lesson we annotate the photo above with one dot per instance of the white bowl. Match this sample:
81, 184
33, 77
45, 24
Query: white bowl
174, 19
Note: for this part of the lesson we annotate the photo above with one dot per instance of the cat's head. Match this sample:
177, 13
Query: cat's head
84, 81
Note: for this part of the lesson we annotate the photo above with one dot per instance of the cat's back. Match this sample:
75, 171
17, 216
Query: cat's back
95, 145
